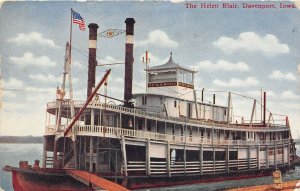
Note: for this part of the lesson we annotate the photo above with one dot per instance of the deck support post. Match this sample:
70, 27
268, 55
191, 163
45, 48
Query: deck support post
75, 153
168, 160
91, 154
258, 157
100, 117
44, 153
238, 161
55, 154
201, 158
214, 159
184, 157
85, 147
283, 155
227, 159
124, 156
148, 164
288, 154
156, 125
79, 156
275, 156
249, 157
121, 121
97, 154
267, 157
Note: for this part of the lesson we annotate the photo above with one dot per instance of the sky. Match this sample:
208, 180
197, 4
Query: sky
241, 50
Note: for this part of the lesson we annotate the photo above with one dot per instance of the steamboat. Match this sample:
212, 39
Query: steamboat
165, 136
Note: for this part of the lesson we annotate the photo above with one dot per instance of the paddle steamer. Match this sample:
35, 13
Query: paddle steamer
166, 136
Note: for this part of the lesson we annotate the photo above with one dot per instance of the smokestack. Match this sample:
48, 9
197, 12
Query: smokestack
92, 57
214, 98
128, 62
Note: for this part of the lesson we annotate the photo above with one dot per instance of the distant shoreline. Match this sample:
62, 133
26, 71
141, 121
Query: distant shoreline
21, 139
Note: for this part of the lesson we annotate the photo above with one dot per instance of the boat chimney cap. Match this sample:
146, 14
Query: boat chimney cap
93, 25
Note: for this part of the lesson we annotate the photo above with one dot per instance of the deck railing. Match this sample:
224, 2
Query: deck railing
141, 113
190, 167
114, 132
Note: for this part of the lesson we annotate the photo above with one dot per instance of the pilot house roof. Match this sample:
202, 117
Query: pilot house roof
170, 64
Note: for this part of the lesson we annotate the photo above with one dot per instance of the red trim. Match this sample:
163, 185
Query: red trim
189, 182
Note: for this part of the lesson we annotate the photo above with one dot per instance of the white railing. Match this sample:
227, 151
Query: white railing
114, 132
142, 113
189, 167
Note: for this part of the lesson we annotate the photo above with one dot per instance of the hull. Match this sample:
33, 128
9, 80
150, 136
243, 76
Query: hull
58, 180
140, 183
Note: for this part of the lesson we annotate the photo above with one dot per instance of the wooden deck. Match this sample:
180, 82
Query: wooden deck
91, 179
286, 186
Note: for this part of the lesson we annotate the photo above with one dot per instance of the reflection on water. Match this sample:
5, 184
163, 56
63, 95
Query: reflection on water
11, 154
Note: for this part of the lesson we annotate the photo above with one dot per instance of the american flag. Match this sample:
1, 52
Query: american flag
77, 19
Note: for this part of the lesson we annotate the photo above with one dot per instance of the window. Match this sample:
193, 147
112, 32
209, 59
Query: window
175, 103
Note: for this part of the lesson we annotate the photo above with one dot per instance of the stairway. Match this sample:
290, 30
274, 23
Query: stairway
71, 163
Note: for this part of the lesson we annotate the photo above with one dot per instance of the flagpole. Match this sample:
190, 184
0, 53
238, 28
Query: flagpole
71, 35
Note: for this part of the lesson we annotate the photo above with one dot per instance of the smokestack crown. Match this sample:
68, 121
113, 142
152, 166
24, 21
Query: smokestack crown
93, 31
130, 26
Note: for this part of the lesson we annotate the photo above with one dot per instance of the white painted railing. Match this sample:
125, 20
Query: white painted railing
189, 167
114, 132
141, 113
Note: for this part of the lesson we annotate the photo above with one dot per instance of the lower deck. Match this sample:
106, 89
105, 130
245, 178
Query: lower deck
127, 157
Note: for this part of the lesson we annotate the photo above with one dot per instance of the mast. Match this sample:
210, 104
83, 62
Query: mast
70, 81
228, 107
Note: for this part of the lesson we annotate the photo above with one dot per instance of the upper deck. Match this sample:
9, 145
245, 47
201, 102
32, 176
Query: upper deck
52, 106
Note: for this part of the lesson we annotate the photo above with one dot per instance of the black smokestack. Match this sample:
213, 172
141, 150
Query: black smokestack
128, 61
92, 57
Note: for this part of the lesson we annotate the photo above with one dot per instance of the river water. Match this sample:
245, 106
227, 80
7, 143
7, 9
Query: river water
11, 154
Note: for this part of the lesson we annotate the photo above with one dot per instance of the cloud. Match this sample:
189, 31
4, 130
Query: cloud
289, 95
279, 75
13, 83
9, 94
221, 65
29, 59
32, 38
43, 78
12, 106
235, 82
295, 106
250, 41
158, 38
